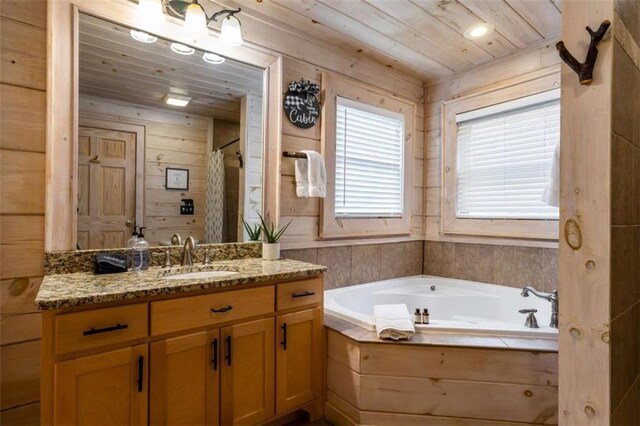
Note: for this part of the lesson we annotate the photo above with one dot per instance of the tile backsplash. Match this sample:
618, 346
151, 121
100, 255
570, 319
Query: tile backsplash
504, 265
358, 264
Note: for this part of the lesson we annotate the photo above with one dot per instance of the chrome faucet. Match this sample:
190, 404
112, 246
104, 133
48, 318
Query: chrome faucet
551, 297
187, 254
176, 240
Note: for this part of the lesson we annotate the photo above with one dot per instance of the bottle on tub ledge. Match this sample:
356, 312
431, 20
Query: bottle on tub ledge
425, 316
417, 317
140, 253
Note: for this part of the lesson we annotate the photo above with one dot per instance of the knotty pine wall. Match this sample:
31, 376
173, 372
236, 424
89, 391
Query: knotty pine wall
305, 212
22, 184
172, 139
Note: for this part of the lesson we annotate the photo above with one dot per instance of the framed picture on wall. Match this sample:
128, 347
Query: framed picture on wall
177, 179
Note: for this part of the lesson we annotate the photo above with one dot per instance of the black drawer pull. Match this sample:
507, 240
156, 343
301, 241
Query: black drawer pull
228, 356
222, 310
284, 336
305, 294
214, 354
140, 372
104, 330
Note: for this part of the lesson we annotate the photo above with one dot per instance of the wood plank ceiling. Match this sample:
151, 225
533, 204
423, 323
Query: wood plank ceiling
114, 66
421, 38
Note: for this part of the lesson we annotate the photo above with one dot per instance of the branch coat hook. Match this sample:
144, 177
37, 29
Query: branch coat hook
585, 69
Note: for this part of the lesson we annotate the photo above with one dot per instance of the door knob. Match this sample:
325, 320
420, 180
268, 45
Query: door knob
128, 223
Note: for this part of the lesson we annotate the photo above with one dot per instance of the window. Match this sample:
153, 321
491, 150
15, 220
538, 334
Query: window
498, 148
369, 161
504, 158
367, 140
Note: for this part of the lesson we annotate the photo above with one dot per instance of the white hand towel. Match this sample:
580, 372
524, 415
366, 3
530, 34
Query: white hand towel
393, 322
311, 176
551, 194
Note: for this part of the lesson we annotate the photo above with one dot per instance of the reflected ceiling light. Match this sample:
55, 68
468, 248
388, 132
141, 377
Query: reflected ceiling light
478, 31
142, 37
176, 100
212, 58
196, 20
150, 12
181, 49
230, 31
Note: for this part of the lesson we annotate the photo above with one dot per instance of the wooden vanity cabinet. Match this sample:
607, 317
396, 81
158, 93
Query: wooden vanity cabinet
185, 379
246, 356
109, 388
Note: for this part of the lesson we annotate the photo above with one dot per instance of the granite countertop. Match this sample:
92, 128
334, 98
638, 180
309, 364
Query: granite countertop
84, 288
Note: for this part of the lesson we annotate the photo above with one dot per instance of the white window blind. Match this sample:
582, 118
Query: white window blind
369, 161
504, 158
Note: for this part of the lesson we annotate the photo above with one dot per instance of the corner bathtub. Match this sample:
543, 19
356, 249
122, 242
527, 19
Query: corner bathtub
455, 306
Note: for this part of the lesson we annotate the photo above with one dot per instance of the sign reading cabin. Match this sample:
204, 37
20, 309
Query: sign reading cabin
301, 103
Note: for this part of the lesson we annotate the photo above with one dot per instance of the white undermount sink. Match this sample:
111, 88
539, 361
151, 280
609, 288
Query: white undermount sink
200, 275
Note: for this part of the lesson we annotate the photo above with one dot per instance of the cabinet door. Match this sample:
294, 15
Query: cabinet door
185, 380
298, 359
247, 372
105, 389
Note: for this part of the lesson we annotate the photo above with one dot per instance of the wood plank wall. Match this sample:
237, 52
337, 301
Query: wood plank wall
22, 185
305, 213
507, 72
175, 140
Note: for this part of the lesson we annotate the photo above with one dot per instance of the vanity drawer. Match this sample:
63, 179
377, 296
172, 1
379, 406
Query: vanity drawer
100, 327
168, 316
299, 293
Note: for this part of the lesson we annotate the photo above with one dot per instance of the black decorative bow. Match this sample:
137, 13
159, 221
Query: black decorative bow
304, 86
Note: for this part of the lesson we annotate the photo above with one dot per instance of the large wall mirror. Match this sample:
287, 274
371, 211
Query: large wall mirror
169, 137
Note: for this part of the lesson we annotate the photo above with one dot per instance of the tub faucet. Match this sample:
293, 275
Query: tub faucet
187, 254
551, 297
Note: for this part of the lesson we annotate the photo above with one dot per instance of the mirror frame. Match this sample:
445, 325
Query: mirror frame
62, 103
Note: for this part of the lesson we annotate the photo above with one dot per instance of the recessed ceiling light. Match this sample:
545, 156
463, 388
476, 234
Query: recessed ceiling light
181, 49
478, 31
142, 37
212, 58
176, 100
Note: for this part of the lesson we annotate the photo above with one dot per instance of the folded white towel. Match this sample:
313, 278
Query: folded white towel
393, 322
551, 194
311, 176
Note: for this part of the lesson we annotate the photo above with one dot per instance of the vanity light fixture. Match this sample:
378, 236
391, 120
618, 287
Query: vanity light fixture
150, 12
176, 100
181, 49
477, 31
212, 58
143, 37
196, 20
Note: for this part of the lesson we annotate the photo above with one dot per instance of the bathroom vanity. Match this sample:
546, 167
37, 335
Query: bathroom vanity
234, 342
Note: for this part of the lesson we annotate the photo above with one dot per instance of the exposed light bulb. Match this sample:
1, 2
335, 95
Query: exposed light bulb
181, 49
478, 31
150, 13
195, 20
142, 37
231, 32
212, 58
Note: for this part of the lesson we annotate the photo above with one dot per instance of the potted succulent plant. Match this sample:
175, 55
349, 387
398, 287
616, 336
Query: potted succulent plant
253, 231
271, 238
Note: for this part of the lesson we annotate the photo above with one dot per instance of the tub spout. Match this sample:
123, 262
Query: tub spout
551, 297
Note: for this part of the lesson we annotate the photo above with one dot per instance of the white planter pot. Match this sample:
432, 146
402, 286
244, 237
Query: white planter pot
270, 251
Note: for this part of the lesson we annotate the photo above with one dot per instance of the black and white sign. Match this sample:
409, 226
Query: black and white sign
177, 179
301, 104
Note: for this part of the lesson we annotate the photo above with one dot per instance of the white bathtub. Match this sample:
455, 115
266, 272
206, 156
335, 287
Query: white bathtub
454, 305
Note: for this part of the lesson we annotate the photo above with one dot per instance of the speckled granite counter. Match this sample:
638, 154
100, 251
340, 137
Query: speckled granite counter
83, 288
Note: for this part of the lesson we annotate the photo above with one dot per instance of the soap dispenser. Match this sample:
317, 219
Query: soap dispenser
130, 242
140, 253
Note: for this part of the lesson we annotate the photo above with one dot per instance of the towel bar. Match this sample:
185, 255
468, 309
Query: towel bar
294, 154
